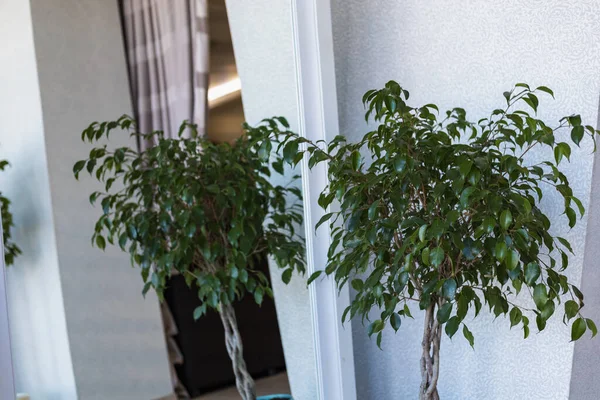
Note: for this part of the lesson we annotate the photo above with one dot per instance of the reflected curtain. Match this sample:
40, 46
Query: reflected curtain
167, 48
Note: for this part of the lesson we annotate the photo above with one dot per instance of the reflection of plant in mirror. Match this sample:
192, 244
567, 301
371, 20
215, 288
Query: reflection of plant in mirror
446, 214
203, 209
11, 250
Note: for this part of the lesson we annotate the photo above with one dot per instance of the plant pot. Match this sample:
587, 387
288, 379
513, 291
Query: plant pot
275, 397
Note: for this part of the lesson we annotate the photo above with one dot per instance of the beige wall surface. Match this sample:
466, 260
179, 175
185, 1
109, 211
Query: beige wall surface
80, 324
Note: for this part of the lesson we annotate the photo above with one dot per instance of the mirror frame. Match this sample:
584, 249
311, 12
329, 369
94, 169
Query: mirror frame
318, 120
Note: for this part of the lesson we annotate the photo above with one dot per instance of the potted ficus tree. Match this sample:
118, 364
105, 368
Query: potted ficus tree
444, 213
11, 250
203, 209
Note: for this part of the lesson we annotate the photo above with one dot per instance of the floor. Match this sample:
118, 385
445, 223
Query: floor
276, 384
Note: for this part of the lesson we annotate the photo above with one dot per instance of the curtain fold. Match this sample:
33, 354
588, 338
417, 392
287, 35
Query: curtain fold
168, 56
167, 48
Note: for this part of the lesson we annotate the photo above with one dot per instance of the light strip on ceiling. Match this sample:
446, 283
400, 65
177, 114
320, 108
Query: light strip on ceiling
218, 92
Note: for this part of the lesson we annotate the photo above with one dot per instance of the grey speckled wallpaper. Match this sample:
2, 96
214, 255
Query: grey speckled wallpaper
466, 54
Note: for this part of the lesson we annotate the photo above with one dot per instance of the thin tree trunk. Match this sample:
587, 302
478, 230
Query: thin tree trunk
233, 342
430, 359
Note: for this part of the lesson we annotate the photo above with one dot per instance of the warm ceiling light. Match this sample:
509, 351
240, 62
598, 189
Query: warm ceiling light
219, 92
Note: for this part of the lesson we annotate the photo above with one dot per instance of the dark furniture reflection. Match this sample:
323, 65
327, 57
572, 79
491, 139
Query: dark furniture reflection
206, 364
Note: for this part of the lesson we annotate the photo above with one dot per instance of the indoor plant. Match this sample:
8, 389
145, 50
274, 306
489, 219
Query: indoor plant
11, 250
202, 209
444, 213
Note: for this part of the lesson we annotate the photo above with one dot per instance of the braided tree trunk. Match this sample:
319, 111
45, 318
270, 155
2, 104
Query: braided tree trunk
430, 359
233, 342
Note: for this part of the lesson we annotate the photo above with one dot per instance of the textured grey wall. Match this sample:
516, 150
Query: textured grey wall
262, 40
467, 55
586, 359
40, 347
115, 336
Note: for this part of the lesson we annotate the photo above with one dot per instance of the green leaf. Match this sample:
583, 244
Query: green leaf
488, 224
532, 273
515, 316
422, 231
390, 104
372, 213
571, 216
356, 160
375, 327
546, 90
465, 167
290, 151
357, 284
577, 292
501, 251
100, 242
443, 313
78, 167
571, 309
565, 243
468, 335
323, 219
243, 276
400, 164
578, 329
562, 150
314, 276
287, 275
198, 311
258, 296
548, 310
506, 219
464, 196
540, 295
437, 256
425, 255
575, 120
512, 259
449, 289
577, 134
592, 326
395, 321
452, 326
579, 205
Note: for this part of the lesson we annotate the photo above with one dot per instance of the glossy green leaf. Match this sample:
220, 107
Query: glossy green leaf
571, 309
452, 326
540, 295
443, 313
515, 316
506, 219
578, 329
395, 321
449, 289
532, 273
437, 256
591, 326
313, 276
469, 336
